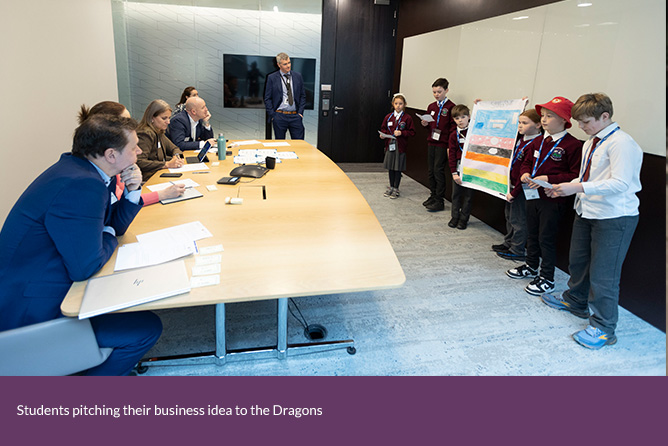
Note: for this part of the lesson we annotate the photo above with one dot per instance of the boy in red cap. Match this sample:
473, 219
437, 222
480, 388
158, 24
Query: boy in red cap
606, 216
552, 158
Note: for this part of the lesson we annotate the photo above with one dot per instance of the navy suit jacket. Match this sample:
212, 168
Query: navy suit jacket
179, 132
53, 236
273, 93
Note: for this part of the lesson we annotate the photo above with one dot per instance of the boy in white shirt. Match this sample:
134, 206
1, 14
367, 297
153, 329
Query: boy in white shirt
606, 209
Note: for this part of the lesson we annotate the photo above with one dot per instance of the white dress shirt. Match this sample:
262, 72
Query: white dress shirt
614, 177
193, 130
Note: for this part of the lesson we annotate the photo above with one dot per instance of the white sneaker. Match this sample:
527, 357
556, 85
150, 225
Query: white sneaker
539, 286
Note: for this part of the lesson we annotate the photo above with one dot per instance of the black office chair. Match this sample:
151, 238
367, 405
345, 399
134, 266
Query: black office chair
61, 346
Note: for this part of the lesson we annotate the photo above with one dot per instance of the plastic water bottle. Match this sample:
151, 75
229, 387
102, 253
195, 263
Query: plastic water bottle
222, 149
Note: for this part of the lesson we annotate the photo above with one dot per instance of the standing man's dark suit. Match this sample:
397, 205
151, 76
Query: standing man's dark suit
179, 132
283, 115
59, 231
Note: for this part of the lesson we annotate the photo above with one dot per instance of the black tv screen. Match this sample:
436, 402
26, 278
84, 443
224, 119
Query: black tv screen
244, 77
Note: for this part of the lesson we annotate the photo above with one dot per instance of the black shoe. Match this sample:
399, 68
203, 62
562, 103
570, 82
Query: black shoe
462, 224
436, 205
500, 247
509, 255
453, 222
428, 201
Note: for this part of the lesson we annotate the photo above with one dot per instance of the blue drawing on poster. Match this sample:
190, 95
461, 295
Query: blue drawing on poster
499, 123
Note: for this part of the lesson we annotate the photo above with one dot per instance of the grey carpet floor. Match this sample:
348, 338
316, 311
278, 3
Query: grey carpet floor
457, 313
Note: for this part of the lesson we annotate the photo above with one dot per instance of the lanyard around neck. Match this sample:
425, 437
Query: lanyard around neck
537, 166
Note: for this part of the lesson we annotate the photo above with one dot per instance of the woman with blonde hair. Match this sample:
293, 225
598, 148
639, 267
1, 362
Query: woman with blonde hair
158, 152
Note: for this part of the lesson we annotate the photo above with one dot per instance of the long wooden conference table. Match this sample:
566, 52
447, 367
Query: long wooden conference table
310, 233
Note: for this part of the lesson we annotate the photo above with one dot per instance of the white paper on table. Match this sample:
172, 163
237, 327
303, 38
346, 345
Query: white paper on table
257, 152
205, 270
276, 144
211, 249
136, 255
188, 182
425, 117
286, 155
247, 160
200, 281
208, 260
183, 234
385, 135
245, 143
542, 183
211, 187
190, 168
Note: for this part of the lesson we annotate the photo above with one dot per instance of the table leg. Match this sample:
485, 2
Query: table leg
282, 346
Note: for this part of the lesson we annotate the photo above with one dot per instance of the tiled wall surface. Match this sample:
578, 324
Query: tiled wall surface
168, 47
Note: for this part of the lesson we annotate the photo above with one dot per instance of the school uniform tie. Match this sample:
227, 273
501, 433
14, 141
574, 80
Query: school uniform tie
289, 88
585, 175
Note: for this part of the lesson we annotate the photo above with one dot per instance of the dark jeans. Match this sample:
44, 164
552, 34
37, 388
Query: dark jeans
516, 224
131, 335
461, 202
598, 249
282, 123
542, 227
395, 178
437, 158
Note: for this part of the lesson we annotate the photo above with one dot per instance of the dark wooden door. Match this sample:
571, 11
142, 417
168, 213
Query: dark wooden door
357, 60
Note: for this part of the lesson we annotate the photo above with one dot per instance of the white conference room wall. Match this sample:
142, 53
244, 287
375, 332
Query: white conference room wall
613, 46
163, 48
54, 57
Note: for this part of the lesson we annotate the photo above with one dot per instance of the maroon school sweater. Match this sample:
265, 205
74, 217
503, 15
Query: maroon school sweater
455, 148
522, 147
445, 124
563, 164
405, 125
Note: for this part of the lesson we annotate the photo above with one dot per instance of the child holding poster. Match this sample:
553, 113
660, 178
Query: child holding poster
398, 125
461, 195
553, 158
514, 242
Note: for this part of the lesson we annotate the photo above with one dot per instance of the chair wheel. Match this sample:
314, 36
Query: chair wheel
141, 369
351, 350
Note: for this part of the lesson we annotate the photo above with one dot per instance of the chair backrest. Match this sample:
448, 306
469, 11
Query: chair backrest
58, 347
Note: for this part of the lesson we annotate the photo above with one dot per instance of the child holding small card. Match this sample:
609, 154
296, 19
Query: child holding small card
553, 158
398, 125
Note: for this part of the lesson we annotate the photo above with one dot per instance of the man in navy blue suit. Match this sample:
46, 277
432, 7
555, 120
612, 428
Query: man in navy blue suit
285, 99
63, 228
190, 129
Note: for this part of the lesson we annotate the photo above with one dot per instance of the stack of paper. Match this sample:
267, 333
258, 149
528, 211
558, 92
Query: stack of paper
161, 246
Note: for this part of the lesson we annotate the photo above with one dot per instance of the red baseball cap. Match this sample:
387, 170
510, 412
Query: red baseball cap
561, 106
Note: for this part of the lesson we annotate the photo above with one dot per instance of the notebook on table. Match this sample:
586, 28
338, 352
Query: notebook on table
135, 287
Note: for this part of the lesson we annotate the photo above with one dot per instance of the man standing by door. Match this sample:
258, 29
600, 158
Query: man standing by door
285, 99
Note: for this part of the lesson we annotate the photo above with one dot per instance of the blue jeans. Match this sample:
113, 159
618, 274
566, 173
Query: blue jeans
598, 249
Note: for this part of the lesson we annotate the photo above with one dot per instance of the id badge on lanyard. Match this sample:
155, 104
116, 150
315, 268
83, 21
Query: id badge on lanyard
436, 135
530, 194
392, 146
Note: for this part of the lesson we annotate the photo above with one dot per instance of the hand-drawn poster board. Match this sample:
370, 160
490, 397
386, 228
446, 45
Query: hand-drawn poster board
489, 145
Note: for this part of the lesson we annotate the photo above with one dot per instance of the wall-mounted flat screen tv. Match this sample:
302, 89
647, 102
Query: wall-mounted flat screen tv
244, 77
